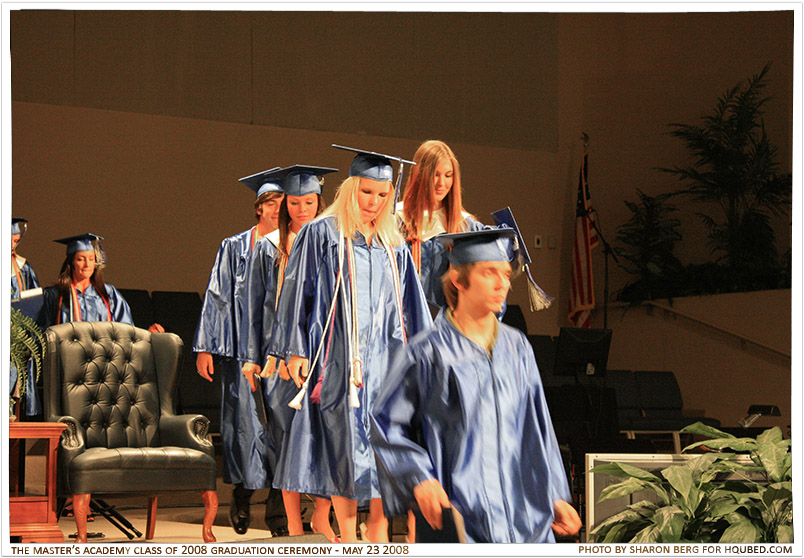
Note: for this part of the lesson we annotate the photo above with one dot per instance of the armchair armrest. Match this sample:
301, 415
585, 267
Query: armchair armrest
186, 431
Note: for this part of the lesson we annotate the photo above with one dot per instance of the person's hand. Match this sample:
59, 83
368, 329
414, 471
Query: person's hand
297, 368
249, 371
431, 498
204, 366
567, 521
156, 328
270, 368
283, 370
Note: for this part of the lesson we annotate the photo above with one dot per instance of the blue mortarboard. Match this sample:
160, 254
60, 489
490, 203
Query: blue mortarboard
265, 181
501, 243
539, 300
300, 180
19, 226
376, 166
490, 244
85, 243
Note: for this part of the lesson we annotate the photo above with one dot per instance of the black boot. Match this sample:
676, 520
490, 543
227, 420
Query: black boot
239, 510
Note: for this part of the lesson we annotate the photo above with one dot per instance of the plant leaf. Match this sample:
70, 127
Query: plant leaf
669, 521
630, 486
741, 531
705, 430
625, 471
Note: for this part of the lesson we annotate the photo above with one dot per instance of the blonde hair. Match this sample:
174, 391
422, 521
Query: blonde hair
420, 191
347, 213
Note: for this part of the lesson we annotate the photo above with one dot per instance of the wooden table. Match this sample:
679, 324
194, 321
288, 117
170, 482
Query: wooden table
33, 517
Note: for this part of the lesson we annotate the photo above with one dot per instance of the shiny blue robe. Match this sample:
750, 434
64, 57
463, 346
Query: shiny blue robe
243, 433
28, 278
327, 451
32, 404
92, 306
258, 320
479, 425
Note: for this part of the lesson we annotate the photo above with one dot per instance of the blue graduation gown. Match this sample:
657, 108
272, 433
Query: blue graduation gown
30, 281
327, 451
479, 425
259, 317
91, 306
243, 434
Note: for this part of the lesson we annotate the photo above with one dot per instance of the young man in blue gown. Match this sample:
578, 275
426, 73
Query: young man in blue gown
461, 420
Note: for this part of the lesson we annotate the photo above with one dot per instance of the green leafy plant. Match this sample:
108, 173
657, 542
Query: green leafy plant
734, 167
697, 505
27, 343
645, 246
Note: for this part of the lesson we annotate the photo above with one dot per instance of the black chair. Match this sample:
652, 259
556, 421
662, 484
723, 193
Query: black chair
179, 311
626, 392
515, 318
662, 404
142, 310
114, 386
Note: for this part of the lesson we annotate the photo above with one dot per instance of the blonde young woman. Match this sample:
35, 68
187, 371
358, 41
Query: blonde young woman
350, 299
430, 206
302, 203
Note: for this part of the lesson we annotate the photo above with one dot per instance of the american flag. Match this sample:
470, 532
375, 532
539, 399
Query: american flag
582, 289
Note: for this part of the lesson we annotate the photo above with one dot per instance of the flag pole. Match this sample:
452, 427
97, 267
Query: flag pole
607, 249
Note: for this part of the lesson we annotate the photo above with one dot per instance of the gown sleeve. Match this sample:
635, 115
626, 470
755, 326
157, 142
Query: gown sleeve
259, 310
395, 428
121, 311
214, 333
295, 305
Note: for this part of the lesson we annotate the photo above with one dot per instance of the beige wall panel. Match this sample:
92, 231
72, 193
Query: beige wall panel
191, 64
717, 373
486, 79
42, 56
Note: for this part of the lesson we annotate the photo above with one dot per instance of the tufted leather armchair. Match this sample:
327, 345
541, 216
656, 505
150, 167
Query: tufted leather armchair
114, 385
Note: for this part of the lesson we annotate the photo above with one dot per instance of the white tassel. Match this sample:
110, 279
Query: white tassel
357, 372
296, 403
353, 397
539, 300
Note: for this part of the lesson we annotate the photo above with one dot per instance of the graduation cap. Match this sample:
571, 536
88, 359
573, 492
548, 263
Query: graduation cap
300, 180
490, 244
376, 166
539, 300
85, 243
265, 181
19, 226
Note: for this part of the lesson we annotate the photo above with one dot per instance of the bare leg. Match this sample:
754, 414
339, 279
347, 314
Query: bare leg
411, 527
346, 512
292, 502
377, 523
320, 519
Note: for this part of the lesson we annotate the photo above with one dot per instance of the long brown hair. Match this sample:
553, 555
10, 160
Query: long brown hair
284, 227
65, 280
420, 192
